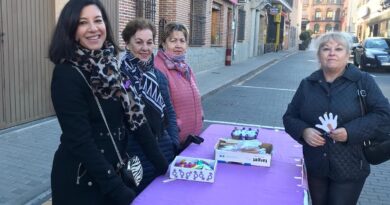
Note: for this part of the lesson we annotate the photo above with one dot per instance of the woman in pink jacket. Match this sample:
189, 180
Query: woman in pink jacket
185, 96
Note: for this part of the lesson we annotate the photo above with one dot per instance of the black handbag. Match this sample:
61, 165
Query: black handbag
130, 169
377, 150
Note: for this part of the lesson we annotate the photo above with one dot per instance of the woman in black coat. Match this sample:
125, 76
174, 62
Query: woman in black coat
152, 87
85, 166
325, 117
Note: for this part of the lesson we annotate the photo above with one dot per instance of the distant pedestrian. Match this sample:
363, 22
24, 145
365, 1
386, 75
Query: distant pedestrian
325, 117
152, 87
186, 99
85, 164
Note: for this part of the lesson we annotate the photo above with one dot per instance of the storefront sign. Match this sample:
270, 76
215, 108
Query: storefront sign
273, 10
363, 12
278, 16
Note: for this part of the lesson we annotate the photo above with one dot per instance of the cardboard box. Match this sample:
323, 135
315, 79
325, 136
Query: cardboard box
231, 150
192, 174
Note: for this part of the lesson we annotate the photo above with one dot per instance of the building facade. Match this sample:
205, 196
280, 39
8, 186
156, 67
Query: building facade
321, 16
373, 18
222, 32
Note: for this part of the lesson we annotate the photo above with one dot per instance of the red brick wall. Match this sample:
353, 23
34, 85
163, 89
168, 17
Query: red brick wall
168, 10
127, 12
175, 10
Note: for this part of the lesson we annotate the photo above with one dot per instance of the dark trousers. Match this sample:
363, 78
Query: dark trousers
324, 191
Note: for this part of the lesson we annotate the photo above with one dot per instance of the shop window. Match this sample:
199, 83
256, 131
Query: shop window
146, 9
337, 16
328, 28
241, 25
336, 27
216, 24
316, 28
382, 28
198, 22
388, 29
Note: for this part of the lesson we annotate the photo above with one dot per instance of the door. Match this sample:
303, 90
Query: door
1, 67
229, 29
26, 69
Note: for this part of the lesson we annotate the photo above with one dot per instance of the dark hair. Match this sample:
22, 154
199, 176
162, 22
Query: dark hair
135, 25
170, 28
63, 43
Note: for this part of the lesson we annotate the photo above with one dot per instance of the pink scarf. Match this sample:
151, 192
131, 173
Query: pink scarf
175, 62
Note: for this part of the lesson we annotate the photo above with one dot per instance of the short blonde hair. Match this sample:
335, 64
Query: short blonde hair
340, 37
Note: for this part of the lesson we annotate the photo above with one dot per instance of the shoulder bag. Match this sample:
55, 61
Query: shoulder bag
131, 170
377, 150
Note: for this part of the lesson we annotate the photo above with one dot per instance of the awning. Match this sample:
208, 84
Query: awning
233, 1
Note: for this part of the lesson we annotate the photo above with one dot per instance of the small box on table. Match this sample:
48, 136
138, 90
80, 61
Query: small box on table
193, 169
250, 152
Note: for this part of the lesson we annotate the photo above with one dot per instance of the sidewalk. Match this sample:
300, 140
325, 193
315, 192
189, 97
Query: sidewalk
26, 152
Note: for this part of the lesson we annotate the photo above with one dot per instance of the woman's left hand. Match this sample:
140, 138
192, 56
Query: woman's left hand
339, 134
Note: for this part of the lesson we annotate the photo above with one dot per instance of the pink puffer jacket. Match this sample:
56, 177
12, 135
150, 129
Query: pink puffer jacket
185, 98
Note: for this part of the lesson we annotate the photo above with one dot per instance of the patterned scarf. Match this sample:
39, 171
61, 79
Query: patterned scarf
141, 75
106, 81
176, 62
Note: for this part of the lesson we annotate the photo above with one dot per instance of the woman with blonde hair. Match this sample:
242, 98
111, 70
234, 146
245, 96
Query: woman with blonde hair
325, 117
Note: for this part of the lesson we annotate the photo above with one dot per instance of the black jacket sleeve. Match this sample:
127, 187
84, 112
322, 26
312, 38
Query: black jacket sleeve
293, 124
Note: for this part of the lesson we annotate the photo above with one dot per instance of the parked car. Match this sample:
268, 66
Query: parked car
373, 53
355, 43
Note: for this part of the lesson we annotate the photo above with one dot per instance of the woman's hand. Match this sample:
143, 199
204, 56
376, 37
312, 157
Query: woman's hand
313, 137
339, 134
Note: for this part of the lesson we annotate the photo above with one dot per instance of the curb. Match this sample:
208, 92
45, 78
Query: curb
41, 199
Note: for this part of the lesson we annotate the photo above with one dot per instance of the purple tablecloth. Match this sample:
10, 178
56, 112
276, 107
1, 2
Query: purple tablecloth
236, 184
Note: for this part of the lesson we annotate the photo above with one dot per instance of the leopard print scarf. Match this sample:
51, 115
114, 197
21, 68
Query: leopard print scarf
106, 81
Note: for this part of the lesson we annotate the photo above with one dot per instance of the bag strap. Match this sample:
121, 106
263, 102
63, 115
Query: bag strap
363, 105
362, 97
104, 119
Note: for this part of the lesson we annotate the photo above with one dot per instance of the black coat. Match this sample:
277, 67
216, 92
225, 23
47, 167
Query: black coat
84, 165
339, 161
168, 137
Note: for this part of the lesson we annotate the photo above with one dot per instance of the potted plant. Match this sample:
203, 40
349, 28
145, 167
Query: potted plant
305, 37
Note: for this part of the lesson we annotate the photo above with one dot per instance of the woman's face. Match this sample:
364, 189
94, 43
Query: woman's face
333, 56
91, 31
141, 44
176, 43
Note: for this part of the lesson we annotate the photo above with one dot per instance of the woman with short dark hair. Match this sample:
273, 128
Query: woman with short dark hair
152, 88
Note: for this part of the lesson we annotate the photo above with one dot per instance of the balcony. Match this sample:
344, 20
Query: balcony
328, 3
323, 19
